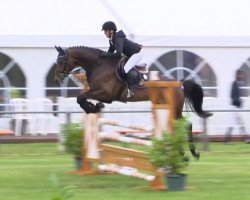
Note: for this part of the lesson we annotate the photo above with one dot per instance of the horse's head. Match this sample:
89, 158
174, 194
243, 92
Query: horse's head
63, 66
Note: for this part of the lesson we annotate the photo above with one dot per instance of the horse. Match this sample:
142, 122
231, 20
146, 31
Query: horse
106, 87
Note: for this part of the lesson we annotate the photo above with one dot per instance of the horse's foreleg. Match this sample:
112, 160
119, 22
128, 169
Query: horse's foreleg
87, 106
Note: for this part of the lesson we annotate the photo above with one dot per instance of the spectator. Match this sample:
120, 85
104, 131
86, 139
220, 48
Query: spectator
236, 102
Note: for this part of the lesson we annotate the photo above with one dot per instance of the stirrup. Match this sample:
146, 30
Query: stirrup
130, 93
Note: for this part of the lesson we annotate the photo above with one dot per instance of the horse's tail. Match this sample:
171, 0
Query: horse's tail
194, 98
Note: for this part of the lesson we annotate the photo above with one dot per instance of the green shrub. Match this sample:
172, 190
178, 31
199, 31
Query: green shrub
62, 192
168, 152
73, 139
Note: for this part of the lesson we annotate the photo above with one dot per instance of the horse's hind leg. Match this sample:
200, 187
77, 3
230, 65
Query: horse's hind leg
179, 102
192, 148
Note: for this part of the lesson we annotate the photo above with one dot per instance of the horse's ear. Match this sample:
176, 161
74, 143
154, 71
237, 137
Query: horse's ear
60, 50
56, 48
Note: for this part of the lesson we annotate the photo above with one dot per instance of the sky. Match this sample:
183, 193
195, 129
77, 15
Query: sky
138, 17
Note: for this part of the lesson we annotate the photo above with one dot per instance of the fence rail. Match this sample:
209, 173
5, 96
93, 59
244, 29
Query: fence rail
113, 111
68, 116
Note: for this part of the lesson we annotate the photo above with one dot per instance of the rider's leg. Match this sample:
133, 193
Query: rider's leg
133, 61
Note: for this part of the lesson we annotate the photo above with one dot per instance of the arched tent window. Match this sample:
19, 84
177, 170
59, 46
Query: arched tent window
69, 88
12, 79
184, 65
245, 67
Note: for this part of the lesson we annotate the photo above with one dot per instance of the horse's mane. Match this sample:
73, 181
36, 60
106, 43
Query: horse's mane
91, 49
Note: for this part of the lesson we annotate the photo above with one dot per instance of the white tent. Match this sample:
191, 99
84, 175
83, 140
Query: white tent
160, 25
139, 17
43, 23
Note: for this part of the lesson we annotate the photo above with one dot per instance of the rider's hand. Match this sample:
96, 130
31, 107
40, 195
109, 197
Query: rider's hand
124, 57
103, 54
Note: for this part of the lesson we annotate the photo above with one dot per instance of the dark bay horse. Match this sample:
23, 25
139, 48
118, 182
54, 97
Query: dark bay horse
105, 86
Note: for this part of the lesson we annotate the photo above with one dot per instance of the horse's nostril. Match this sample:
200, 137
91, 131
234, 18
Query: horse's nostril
58, 82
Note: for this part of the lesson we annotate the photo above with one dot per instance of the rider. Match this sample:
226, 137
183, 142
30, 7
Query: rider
121, 46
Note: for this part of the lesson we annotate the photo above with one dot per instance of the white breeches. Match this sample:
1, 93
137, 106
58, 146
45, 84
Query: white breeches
236, 119
133, 61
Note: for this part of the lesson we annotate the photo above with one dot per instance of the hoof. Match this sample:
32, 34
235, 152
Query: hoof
207, 114
100, 105
91, 108
87, 110
197, 155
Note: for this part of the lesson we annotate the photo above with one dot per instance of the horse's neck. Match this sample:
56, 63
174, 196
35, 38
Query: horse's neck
105, 69
84, 58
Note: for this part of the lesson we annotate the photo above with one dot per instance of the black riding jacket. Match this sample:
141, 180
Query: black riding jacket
235, 94
121, 45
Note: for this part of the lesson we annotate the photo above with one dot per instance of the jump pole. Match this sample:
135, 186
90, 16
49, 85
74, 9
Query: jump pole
163, 89
163, 97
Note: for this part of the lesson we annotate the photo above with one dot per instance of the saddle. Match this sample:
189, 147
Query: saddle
136, 76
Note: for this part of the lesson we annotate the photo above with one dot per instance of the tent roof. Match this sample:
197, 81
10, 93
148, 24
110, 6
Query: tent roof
139, 17
48, 41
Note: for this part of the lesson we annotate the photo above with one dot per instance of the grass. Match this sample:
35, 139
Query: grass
222, 173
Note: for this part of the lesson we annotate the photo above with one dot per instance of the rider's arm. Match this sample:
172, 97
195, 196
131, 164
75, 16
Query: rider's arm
110, 55
118, 43
117, 47
111, 48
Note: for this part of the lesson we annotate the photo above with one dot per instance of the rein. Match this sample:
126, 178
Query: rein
64, 75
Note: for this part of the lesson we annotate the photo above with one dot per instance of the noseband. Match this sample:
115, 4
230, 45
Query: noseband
64, 58
64, 73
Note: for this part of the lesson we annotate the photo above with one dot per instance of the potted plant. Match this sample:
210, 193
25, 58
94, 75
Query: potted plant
168, 153
73, 141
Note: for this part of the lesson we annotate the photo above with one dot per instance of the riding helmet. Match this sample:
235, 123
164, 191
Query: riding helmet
109, 25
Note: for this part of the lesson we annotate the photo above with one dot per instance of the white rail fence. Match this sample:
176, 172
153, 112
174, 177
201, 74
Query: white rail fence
42, 116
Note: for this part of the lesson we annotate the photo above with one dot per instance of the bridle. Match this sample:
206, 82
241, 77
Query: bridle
63, 59
64, 72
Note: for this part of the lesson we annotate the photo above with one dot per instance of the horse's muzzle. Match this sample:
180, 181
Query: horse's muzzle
58, 79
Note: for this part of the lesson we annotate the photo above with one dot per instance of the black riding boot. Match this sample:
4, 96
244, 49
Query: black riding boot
130, 85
